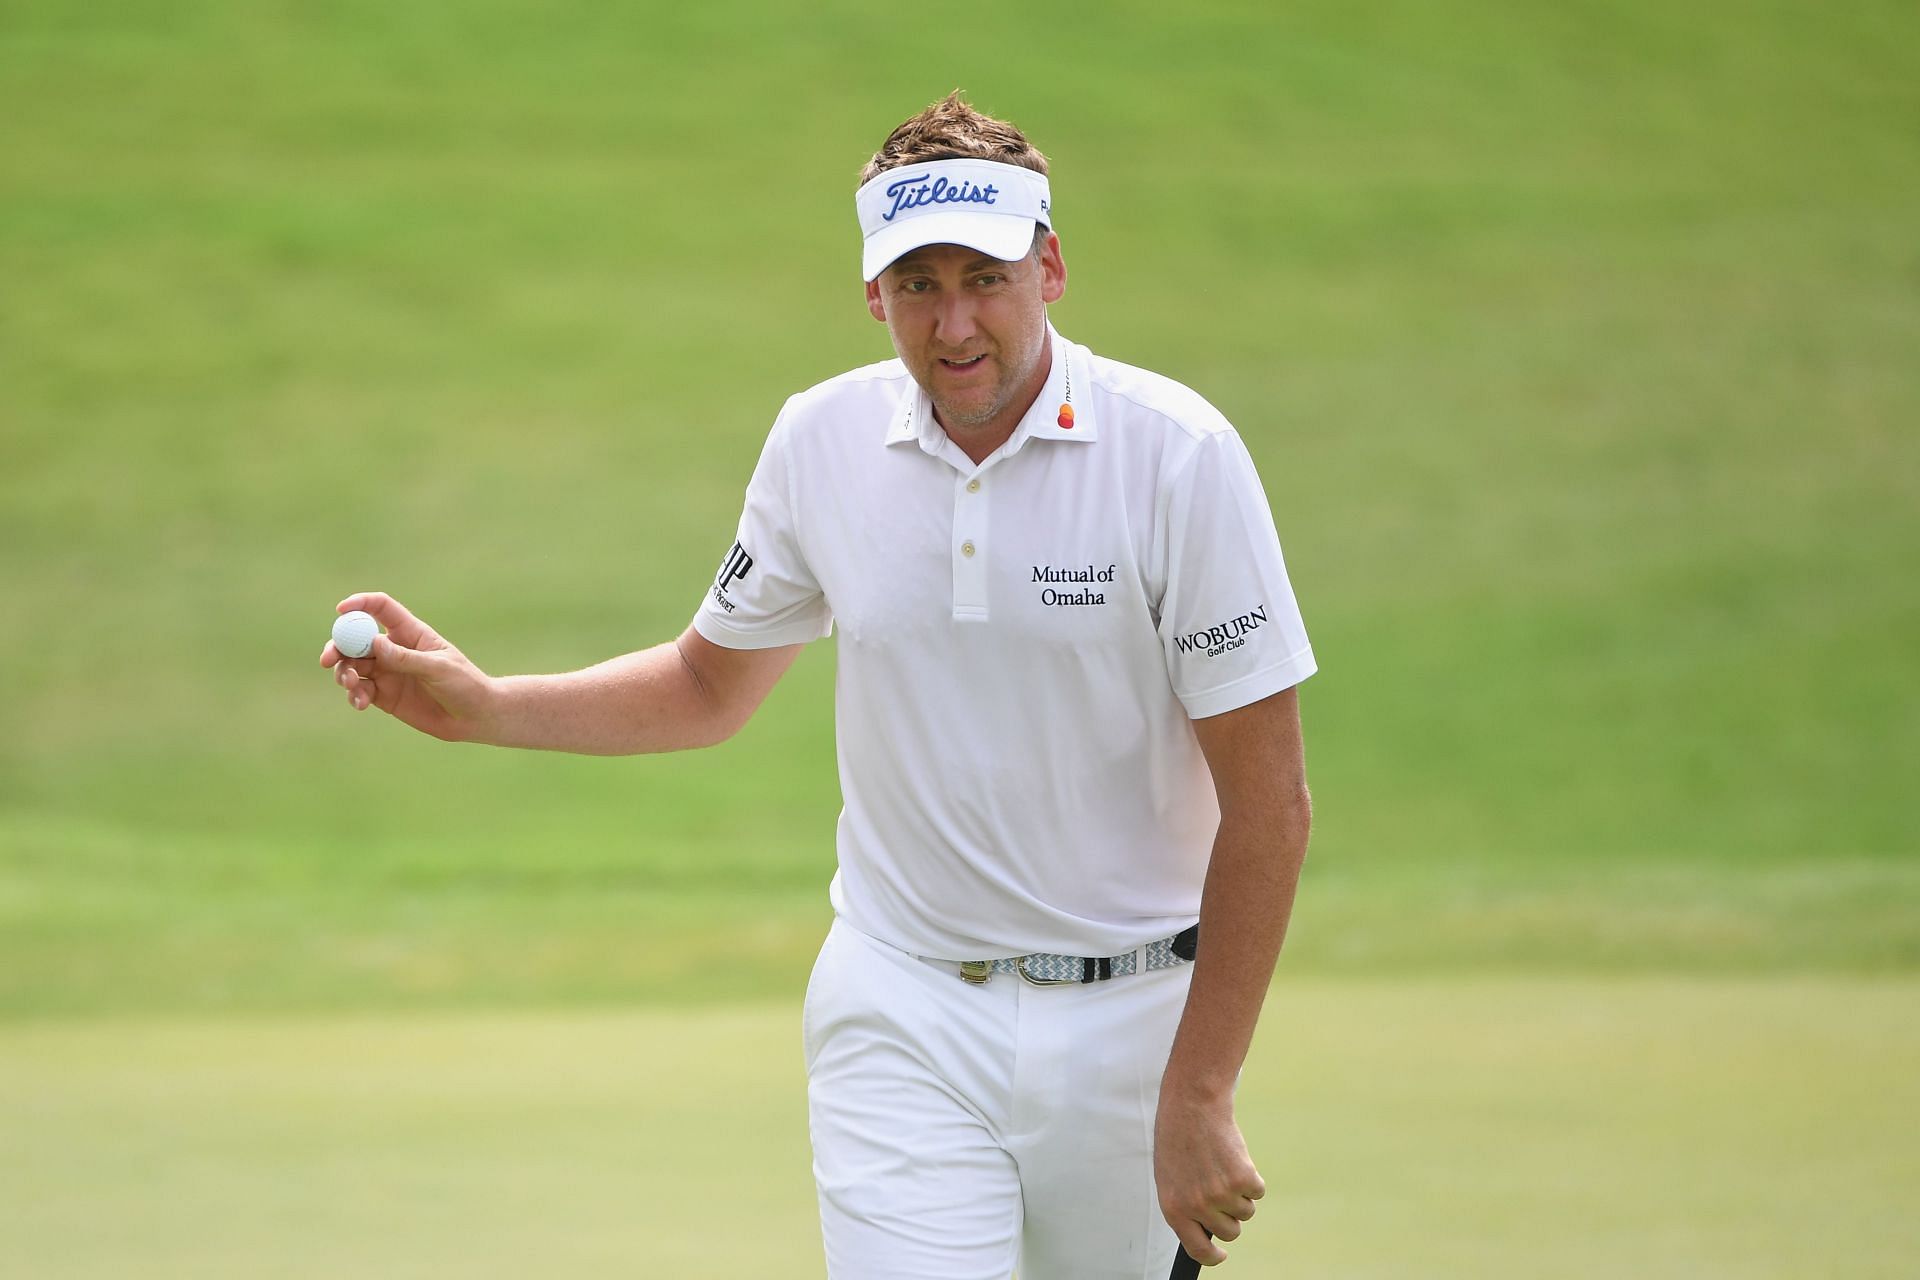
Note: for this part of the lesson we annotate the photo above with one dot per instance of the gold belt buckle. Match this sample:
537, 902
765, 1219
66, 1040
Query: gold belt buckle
1045, 982
976, 972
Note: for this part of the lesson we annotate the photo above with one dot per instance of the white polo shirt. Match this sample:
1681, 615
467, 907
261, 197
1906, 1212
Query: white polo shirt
1023, 646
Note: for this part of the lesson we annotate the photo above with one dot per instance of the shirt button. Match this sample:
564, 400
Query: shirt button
966, 548
973, 486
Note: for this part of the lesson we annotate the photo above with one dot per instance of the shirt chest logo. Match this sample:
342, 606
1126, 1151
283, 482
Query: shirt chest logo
1080, 586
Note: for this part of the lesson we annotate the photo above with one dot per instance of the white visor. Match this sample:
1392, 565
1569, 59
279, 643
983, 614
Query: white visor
981, 204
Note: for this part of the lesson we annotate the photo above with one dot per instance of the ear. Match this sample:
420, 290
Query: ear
876, 305
1053, 270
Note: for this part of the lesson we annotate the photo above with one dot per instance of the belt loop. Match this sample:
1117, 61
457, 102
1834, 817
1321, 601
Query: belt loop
1140, 958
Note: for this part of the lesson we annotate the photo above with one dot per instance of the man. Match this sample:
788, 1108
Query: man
1067, 731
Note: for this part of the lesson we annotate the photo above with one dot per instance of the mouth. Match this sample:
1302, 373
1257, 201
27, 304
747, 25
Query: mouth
968, 363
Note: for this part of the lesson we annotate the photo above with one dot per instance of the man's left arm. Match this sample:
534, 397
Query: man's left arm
1206, 1179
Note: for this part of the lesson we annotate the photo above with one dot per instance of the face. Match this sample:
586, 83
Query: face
972, 330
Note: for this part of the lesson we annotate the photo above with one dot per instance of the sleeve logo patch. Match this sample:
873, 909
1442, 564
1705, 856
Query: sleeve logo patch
733, 569
1222, 637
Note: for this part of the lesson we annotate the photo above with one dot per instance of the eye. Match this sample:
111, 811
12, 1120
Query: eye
991, 278
915, 286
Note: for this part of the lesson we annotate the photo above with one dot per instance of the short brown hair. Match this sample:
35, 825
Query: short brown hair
952, 130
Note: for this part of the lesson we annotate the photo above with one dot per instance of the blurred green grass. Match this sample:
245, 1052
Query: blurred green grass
1662, 1128
1576, 347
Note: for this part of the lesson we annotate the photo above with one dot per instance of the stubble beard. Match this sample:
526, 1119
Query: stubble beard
958, 419
954, 418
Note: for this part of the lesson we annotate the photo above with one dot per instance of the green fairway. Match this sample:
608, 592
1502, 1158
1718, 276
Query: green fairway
1577, 346
1481, 1129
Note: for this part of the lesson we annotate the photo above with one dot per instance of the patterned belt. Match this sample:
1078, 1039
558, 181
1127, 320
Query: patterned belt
1045, 969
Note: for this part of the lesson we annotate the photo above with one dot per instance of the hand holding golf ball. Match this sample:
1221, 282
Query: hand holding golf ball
409, 672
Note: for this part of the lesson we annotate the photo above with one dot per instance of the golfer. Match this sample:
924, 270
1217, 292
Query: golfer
1068, 738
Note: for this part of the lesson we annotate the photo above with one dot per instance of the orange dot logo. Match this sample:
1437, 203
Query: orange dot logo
1066, 417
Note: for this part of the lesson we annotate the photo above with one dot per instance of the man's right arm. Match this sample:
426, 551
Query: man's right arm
686, 693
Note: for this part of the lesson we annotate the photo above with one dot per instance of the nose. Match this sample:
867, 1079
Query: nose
953, 323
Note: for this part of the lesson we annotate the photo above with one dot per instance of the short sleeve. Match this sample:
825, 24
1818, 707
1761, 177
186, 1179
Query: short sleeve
1228, 620
764, 594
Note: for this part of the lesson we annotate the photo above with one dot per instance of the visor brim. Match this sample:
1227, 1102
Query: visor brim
1008, 237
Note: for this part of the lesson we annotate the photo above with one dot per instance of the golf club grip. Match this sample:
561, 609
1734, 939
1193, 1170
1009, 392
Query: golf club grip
1185, 1267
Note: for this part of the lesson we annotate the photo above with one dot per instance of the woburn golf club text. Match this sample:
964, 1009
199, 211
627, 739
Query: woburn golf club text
1222, 637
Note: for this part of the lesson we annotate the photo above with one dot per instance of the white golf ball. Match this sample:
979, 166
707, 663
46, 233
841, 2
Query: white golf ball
353, 633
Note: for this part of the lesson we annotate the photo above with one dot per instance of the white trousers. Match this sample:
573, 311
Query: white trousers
962, 1132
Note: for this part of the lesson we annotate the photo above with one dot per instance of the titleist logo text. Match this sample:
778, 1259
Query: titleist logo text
911, 193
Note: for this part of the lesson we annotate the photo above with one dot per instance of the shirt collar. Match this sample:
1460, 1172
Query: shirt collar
1066, 390
1067, 383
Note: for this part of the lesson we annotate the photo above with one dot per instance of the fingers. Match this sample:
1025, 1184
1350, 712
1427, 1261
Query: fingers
361, 689
393, 656
1199, 1245
388, 612
1224, 1221
1205, 1226
1222, 1225
361, 677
